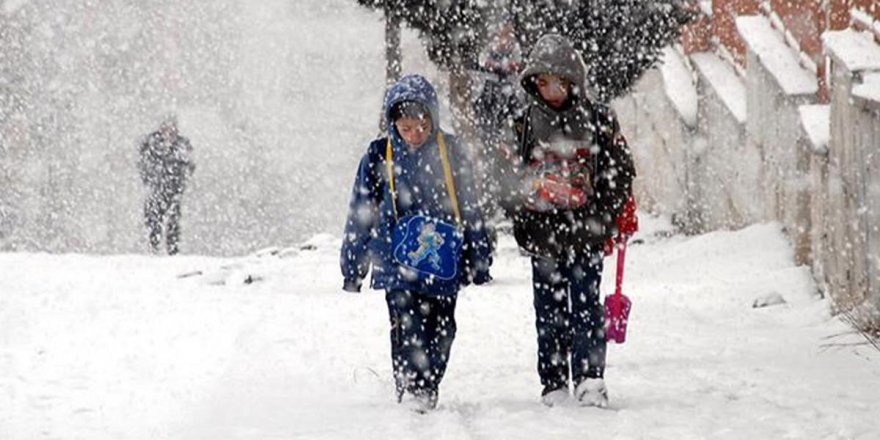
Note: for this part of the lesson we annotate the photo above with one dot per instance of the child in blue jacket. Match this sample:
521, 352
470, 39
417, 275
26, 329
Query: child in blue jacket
415, 219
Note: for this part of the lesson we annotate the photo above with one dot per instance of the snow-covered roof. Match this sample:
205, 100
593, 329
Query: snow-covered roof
706, 7
869, 88
859, 16
780, 60
724, 81
679, 83
856, 50
816, 122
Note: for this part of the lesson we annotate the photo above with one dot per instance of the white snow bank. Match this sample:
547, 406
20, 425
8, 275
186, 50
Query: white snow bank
869, 88
770, 48
816, 122
680, 88
856, 50
123, 348
724, 81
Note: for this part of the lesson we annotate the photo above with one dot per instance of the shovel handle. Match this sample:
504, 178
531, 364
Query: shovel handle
621, 257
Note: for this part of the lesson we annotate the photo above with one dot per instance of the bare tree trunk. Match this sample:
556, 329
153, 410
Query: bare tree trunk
392, 49
392, 56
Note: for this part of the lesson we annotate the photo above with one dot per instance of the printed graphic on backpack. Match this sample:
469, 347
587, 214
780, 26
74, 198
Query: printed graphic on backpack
427, 246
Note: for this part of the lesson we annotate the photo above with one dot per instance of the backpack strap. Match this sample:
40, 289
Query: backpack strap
389, 164
450, 183
447, 172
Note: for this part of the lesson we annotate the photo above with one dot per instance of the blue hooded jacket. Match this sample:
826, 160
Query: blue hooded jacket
421, 189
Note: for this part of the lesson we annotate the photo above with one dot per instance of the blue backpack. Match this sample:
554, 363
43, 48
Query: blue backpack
427, 247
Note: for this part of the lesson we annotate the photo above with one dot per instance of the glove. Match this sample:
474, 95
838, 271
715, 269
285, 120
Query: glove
353, 286
561, 193
628, 222
627, 225
549, 192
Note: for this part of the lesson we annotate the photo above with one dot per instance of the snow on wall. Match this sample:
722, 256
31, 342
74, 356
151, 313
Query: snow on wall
774, 120
660, 143
856, 50
702, 174
853, 204
869, 88
770, 48
725, 177
724, 81
816, 122
679, 83
706, 7
811, 167
743, 163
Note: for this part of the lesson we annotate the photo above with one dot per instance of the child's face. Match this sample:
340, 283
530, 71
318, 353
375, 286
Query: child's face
554, 89
415, 131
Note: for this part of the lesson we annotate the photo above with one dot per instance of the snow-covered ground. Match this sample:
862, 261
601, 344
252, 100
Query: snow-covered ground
269, 347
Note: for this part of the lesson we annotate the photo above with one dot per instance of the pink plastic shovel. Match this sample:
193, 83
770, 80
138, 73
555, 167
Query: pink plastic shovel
617, 306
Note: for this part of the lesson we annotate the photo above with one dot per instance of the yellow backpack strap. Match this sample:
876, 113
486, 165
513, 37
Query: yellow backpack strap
450, 184
389, 163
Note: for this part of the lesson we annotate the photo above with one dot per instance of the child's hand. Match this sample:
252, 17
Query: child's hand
561, 193
545, 193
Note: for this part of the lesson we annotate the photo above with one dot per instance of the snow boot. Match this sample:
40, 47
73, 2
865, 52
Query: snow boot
421, 403
592, 392
554, 396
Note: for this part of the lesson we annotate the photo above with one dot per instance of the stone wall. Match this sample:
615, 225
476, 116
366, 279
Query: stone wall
662, 147
763, 150
851, 260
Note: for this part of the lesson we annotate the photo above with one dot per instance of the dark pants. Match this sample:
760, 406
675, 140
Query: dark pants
162, 210
570, 319
422, 331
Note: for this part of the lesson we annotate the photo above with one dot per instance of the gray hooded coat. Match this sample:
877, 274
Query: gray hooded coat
591, 135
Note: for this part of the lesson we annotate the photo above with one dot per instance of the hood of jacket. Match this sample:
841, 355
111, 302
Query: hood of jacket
554, 54
414, 88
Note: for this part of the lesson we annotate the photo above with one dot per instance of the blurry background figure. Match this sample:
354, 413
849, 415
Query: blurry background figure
165, 165
495, 108
498, 99
503, 56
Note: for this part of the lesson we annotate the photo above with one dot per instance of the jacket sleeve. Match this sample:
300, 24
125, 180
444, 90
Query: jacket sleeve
381, 246
476, 251
360, 226
616, 170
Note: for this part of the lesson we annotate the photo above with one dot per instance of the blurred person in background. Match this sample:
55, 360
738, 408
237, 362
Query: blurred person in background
165, 165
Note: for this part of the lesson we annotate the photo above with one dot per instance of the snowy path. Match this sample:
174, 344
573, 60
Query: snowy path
120, 347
